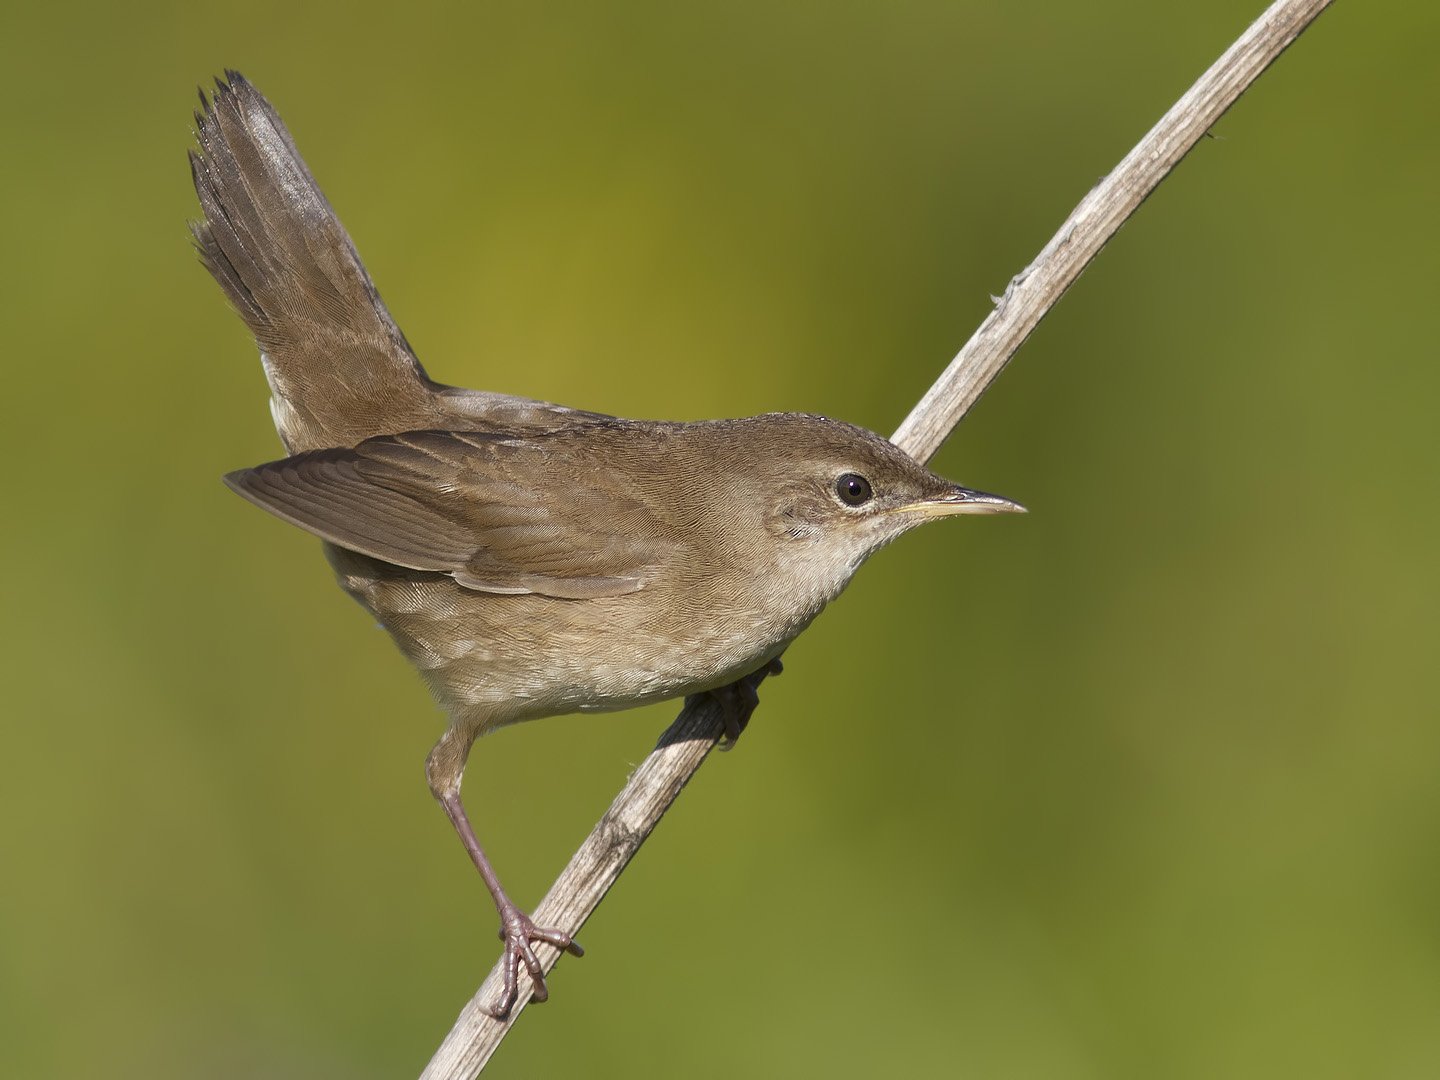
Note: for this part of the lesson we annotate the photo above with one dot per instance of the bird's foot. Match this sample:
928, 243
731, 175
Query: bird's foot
518, 931
738, 700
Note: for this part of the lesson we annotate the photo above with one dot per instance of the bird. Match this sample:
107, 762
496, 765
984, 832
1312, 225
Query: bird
528, 558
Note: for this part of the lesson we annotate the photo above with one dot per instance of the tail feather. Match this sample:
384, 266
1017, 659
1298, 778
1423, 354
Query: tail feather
340, 370
336, 361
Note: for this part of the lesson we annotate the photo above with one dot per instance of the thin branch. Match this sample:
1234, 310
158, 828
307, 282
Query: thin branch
1031, 294
1037, 288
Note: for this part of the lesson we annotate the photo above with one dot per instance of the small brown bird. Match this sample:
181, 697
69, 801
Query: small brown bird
530, 560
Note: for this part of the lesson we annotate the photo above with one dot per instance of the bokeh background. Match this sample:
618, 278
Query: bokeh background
1141, 785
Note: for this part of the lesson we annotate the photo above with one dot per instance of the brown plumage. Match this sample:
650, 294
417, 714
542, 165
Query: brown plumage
339, 368
529, 559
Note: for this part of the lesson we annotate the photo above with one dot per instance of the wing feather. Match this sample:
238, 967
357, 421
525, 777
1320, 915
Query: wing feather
500, 514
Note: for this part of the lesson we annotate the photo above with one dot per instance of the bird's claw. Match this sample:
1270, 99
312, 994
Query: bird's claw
740, 698
518, 931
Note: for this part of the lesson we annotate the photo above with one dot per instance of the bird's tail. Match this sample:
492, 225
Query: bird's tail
340, 370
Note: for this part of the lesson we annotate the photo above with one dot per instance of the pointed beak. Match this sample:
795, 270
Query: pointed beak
960, 500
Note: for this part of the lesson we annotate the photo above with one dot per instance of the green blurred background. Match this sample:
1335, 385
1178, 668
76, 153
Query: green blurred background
1141, 785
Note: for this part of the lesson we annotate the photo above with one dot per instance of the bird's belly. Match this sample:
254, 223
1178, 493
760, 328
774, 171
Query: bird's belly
527, 656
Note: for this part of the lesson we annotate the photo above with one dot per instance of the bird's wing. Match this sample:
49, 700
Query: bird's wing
500, 514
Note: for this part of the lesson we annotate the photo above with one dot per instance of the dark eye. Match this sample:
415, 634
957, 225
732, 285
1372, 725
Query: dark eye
853, 489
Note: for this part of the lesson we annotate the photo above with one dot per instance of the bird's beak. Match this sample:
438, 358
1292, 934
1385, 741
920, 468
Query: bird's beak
959, 500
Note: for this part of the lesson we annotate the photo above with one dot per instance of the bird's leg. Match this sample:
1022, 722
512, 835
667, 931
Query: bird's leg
443, 769
739, 699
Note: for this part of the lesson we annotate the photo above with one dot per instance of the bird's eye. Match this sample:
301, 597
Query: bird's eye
853, 489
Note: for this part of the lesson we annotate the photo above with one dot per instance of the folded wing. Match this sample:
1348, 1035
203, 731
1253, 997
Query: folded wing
500, 514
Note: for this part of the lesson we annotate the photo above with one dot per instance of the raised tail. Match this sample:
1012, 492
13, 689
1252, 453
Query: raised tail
339, 368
